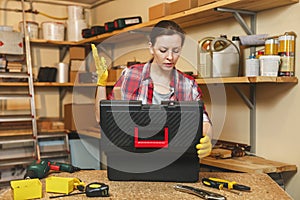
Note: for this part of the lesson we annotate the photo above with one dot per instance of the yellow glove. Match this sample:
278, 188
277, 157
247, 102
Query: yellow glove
101, 67
205, 146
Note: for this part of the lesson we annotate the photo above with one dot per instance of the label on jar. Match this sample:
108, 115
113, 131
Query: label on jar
287, 66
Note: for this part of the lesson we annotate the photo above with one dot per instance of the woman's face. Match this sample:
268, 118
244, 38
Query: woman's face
166, 51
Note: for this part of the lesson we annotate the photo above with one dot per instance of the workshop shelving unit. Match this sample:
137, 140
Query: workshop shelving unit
189, 18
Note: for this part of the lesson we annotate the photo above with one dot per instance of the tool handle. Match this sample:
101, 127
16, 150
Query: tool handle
210, 183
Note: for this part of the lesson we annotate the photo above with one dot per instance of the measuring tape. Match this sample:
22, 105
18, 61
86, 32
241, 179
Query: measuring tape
96, 190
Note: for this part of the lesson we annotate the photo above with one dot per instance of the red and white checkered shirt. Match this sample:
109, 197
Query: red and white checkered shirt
135, 83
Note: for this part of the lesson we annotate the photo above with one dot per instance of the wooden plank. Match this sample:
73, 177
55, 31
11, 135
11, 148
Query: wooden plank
250, 164
15, 132
223, 80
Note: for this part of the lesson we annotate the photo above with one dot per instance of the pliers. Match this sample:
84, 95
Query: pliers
204, 194
220, 184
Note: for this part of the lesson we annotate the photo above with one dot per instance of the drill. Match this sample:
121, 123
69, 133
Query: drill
41, 168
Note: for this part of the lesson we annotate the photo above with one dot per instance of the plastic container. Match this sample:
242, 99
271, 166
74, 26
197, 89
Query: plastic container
59, 185
62, 75
53, 31
225, 58
74, 29
252, 66
204, 65
269, 65
32, 28
75, 12
27, 189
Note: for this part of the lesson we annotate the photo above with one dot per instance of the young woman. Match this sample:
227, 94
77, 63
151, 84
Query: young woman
158, 79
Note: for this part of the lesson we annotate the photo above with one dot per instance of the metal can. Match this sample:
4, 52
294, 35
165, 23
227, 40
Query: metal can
271, 46
286, 51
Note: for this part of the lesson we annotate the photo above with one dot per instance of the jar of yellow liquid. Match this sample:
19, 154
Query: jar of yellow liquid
271, 46
286, 51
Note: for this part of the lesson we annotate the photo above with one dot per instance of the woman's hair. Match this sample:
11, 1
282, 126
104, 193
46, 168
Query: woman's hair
166, 27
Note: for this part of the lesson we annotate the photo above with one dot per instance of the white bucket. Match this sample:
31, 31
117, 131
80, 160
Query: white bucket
75, 28
62, 75
53, 31
75, 12
269, 65
32, 28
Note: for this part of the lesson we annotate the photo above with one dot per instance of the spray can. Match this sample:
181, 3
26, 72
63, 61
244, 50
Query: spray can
286, 51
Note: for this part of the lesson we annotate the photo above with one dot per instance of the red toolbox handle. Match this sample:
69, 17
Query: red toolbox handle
151, 143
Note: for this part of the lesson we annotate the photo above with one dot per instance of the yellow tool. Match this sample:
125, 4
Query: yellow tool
101, 67
220, 184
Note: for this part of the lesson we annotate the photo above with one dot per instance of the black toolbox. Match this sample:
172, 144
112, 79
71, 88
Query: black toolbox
151, 142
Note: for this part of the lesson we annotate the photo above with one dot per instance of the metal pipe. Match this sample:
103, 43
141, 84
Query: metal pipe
62, 3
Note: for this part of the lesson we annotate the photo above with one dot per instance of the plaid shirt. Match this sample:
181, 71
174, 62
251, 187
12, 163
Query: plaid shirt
136, 84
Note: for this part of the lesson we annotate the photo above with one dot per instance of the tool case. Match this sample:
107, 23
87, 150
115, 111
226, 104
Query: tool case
125, 22
109, 27
151, 142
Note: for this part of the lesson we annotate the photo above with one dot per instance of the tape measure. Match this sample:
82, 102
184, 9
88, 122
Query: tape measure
96, 189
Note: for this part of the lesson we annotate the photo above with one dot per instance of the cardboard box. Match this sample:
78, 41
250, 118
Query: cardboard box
182, 5
159, 10
77, 53
79, 116
114, 74
78, 65
204, 2
73, 76
11, 43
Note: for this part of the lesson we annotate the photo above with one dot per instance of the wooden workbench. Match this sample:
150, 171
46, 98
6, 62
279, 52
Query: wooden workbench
249, 164
262, 186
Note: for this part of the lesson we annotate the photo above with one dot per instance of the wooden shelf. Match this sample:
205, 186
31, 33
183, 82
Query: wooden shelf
224, 80
195, 16
242, 79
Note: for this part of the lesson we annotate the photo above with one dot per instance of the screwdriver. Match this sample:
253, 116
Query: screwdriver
220, 184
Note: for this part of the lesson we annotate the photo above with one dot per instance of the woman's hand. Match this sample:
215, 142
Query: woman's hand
205, 146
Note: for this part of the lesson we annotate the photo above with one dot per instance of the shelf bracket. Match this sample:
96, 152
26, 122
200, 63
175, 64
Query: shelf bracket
63, 52
62, 93
237, 15
251, 100
251, 103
